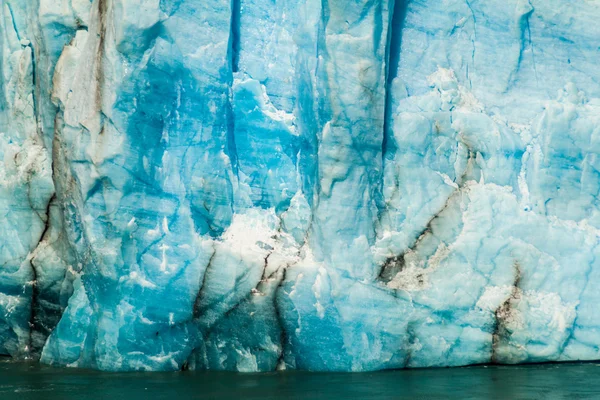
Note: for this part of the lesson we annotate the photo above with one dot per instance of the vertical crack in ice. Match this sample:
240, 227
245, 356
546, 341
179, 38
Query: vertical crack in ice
234, 58
320, 78
524, 33
47, 224
532, 48
394, 47
394, 42
35, 83
236, 13
35, 324
473, 40
284, 338
12, 19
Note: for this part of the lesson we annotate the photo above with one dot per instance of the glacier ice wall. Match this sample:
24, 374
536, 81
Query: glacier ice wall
339, 185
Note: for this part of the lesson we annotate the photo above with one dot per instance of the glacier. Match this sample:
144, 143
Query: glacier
324, 185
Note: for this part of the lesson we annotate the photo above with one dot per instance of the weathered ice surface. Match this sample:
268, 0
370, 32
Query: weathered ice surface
341, 185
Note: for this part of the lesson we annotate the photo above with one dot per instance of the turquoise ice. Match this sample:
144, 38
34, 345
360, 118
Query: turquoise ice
328, 185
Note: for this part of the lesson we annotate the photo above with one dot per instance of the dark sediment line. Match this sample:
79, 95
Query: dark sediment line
284, 339
395, 264
197, 312
503, 314
35, 323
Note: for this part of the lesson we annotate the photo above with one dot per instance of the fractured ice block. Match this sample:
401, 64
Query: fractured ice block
341, 185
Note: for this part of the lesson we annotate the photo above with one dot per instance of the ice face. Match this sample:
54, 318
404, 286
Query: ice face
331, 185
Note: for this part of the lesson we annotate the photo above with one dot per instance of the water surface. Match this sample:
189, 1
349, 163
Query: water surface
550, 381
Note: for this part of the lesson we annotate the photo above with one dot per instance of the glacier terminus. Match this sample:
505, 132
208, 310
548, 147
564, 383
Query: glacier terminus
324, 185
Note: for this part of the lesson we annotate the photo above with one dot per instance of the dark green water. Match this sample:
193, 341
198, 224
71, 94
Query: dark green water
565, 381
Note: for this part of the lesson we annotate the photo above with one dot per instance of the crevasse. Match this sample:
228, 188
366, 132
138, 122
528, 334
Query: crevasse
340, 185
